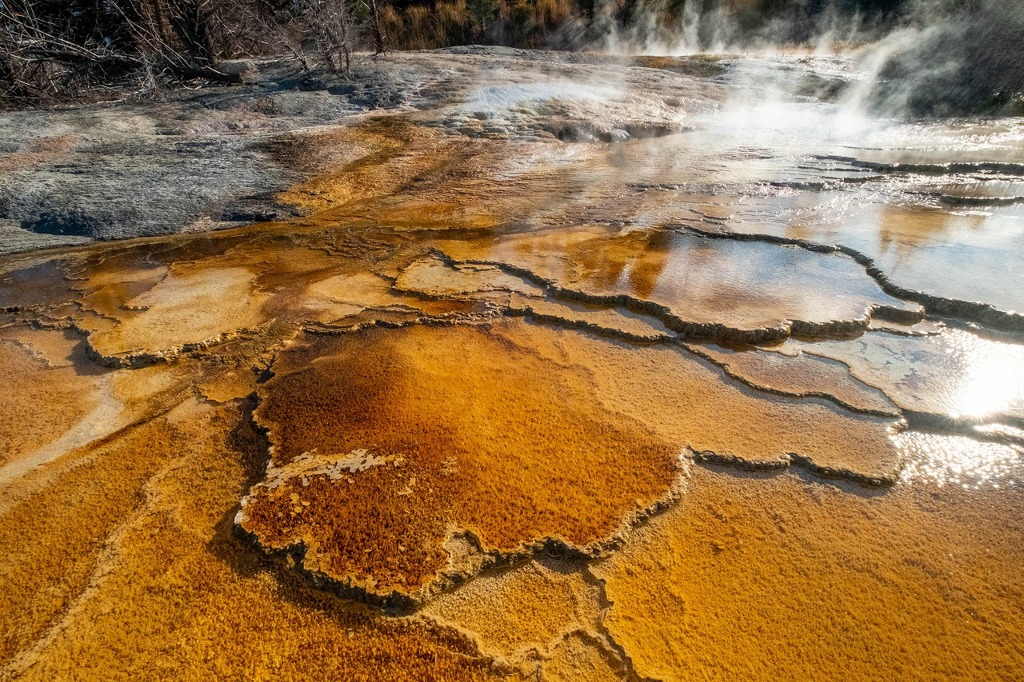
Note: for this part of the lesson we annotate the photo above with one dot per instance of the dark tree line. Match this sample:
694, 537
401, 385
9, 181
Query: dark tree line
51, 49
970, 59
56, 48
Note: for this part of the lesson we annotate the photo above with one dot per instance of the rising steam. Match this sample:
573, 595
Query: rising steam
921, 57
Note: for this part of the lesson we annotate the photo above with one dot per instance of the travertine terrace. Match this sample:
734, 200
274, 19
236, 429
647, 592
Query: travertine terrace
560, 372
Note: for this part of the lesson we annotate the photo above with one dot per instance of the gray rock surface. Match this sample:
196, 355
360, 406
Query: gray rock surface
216, 156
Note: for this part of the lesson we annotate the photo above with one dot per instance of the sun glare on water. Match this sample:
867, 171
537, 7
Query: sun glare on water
959, 461
989, 384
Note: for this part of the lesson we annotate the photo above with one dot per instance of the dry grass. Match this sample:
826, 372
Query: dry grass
520, 23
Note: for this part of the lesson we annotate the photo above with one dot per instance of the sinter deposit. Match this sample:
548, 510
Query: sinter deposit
503, 364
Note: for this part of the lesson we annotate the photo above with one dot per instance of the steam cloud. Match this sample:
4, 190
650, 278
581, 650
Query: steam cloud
925, 57
956, 58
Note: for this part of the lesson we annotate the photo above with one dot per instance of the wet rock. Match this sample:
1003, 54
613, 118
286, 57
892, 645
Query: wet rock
73, 222
255, 209
674, 277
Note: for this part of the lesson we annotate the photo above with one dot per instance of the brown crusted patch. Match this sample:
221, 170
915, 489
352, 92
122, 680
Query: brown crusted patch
582, 657
51, 396
692, 404
419, 211
37, 151
387, 443
469, 431
171, 592
703, 66
192, 304
773, 577
43, 575
378, 170
550, 600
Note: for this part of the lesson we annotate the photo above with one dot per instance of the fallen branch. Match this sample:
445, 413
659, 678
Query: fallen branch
80, 56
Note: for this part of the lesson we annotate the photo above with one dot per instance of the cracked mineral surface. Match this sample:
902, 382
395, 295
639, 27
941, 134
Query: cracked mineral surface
511, 365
